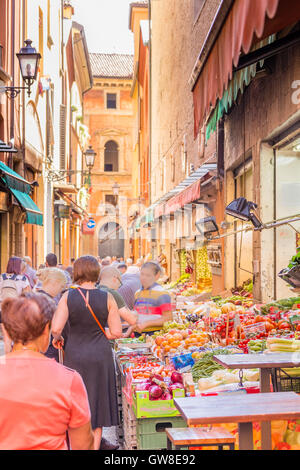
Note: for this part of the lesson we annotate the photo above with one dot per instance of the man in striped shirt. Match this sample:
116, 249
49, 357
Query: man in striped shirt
152, 302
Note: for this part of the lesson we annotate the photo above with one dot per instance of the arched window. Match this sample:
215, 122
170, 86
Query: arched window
111, 156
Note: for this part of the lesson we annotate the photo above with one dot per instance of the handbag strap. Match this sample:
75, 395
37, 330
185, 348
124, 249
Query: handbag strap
91, 311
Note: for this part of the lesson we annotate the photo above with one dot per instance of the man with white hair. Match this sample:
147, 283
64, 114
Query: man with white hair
29, 272
110, 281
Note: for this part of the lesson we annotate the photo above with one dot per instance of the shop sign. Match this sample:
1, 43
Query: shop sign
62, 211
88, 227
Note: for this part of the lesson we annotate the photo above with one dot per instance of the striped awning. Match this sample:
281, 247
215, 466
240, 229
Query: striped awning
247, 22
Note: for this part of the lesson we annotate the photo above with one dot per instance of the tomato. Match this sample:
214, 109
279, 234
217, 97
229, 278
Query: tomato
284, 326
298, 327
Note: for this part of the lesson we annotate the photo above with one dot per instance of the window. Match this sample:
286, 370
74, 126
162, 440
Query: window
110, 199
111, 156
111, 101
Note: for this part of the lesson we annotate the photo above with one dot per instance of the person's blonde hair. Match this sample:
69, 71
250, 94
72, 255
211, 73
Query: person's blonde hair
52, 274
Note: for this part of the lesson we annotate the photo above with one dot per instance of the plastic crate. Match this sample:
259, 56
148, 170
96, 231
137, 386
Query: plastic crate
283, 382
143, 407
151, 433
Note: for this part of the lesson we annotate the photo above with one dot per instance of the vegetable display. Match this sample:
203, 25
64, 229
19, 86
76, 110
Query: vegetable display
207, 365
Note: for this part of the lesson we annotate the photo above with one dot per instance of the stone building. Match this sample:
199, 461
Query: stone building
186, 183
253, 98
108, 113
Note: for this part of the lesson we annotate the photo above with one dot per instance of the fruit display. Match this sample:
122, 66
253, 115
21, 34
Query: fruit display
292, 303
179, 361
245, 290
184, 278
179, 340
159, 387
182, 262
203, 270
237, 300
257, 345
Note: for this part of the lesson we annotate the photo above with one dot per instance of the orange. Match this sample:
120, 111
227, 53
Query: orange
159, 340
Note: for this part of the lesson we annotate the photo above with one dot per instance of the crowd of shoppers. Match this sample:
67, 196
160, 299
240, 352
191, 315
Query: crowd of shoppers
77, 310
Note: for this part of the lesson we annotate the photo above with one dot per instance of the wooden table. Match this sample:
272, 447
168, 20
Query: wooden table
265, 363
244, 410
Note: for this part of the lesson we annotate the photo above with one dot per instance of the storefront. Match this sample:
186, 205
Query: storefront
17, 209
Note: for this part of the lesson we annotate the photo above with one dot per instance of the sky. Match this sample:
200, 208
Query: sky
106, 24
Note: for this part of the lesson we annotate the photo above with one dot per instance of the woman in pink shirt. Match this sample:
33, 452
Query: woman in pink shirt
40, 400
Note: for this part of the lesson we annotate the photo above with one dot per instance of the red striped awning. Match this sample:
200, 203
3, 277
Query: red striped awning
247, 22
189, 195
159, 211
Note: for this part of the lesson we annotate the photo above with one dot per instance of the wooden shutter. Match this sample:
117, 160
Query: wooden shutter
62, 137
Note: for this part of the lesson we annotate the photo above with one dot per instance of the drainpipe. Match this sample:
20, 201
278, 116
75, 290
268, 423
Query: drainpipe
150, 101
275, 218
12, 102
23, 94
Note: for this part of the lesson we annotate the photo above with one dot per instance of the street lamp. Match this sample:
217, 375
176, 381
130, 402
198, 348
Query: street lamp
207, 226
29, 61
116, 189
242, 209
90, 156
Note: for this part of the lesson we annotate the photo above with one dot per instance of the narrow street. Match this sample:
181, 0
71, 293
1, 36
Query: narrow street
150, 226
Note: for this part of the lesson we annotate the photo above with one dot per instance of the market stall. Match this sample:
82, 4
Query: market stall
191, 356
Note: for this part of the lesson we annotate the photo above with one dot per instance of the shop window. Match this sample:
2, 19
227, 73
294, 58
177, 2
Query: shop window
244, 240
110, 199
287, 191
111, 156
111, 101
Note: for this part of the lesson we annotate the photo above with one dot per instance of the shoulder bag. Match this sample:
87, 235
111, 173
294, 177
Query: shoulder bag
91, 311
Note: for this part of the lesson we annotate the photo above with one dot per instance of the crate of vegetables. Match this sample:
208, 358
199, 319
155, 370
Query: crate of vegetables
154, 397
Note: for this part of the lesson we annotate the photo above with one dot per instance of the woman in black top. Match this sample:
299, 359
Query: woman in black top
88, 350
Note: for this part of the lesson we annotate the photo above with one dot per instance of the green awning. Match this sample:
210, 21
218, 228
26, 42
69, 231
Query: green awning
33, 214
238, 84
240, 81
20, 188
13, 180
150, 216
